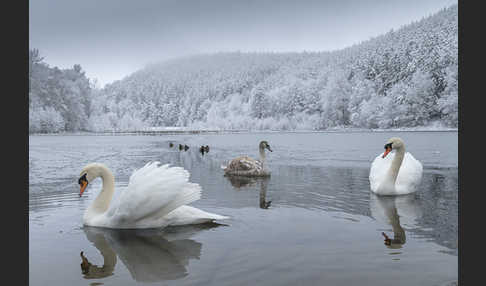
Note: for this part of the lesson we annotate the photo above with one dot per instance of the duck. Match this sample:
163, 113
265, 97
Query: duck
202, 149
395, 173
206, 148
246, 166
186, 147
181, 147
171, 144
156, 196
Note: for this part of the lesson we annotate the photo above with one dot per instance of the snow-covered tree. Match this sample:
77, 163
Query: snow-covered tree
406, 77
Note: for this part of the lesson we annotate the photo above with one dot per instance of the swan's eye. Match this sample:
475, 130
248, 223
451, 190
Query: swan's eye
82, 179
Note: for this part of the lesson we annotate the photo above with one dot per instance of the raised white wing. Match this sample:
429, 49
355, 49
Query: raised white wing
152, 192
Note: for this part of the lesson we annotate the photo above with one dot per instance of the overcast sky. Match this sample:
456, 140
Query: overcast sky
113, 38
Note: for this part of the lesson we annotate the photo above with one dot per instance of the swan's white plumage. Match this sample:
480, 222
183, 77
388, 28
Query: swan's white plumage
190, 215
159, 190
408, 179
155, 197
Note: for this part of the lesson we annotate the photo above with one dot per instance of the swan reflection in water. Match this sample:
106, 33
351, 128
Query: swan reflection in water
241, 181
395, 211
149, 255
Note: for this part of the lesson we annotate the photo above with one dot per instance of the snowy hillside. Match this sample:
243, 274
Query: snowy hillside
405, 78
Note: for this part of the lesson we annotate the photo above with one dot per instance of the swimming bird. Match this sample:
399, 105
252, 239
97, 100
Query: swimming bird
171, 145
156, 196
395, 173
186, 147
202, 149
206, 149
181, 147
246, 166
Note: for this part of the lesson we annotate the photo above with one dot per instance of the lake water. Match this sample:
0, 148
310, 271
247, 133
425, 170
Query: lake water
313, 222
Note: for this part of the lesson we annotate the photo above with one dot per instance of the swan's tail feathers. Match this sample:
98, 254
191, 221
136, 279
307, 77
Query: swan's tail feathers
190, 215
219, 217
191, 193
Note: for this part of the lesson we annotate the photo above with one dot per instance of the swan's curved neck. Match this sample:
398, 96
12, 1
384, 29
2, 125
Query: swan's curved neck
262, 155
102, 202
396, 163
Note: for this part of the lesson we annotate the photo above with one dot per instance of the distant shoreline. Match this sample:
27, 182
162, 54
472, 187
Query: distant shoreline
183, 131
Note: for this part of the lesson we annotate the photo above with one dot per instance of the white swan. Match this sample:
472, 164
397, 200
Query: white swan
246, 166
156, 196
398, 173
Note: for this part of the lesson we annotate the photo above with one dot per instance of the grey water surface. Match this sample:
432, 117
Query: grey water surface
313, 222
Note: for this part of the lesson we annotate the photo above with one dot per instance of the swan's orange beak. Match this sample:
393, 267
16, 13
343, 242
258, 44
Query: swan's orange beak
82, 185
387, 150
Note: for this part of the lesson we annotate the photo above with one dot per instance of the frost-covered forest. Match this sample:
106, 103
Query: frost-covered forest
404, 78
59, 100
